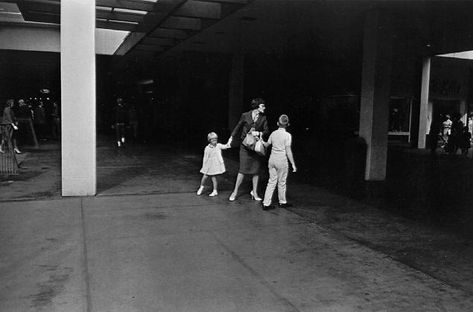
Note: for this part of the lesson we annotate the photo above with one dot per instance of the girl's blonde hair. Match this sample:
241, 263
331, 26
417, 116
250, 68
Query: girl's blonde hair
212, 135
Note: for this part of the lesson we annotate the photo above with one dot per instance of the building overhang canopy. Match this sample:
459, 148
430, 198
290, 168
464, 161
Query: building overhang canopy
153, 26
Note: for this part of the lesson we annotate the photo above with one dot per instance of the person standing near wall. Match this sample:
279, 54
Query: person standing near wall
9, 118
25, 114
121, 117
434, 135
455, 140
446, 128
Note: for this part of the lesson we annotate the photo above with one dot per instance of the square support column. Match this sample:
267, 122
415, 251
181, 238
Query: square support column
78, 97
375, 92
236, 89
424, 104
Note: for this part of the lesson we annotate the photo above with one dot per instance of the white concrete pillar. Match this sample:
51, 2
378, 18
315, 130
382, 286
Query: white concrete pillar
463, 111
424, 104
78, 97
375, 91
236, 89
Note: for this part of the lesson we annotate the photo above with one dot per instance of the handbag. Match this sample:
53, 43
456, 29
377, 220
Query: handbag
260, 149
249, 141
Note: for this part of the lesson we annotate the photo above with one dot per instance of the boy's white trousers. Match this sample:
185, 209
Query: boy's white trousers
278, 170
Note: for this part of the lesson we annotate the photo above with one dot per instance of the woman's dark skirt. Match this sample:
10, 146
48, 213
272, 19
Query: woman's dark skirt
250, 162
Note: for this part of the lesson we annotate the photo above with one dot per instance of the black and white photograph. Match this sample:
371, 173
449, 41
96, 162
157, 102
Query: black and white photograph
236, 156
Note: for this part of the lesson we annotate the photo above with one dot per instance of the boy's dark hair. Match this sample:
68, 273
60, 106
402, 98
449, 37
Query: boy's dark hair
283, 121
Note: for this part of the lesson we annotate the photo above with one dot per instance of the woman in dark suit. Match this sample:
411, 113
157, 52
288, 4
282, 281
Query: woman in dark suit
253, 122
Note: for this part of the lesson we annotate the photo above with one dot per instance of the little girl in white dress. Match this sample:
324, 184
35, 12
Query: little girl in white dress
212, 164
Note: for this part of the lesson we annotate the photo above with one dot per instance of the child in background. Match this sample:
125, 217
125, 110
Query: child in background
213, 164
281, 152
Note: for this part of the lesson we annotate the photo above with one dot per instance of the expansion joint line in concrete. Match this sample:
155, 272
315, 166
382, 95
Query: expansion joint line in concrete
261, 280
85, 258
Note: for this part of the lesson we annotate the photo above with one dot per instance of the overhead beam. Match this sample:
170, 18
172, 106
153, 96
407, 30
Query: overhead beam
200, 9
177, 20
45, 2
149, 47
227, 7
32, 24
115, 25
161, 10
138, 51
42, 17
227, 1
159, 41
43, 6
48, 12
43, 11
169, 33
143, 55
129, 17
54, 19
184, 23
127, 4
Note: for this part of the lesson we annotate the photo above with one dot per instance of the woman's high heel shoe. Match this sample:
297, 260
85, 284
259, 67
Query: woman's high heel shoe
232, 197
255, 197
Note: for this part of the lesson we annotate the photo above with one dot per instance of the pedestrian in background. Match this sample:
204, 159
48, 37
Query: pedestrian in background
9, 118
446, 129
121, 118
434, 135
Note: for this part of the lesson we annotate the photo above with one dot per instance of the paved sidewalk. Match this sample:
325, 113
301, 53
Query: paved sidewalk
63, 254
180, 252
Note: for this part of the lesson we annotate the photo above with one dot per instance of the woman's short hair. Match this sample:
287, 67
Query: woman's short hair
255, 103
10, 102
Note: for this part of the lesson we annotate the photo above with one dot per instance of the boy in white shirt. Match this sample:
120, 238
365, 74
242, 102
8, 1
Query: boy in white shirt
281, 152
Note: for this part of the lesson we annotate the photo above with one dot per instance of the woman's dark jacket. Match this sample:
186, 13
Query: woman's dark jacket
246, 123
